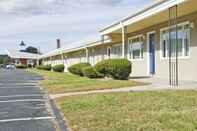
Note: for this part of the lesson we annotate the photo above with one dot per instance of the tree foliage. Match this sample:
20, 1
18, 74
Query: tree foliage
4, 59
31, 49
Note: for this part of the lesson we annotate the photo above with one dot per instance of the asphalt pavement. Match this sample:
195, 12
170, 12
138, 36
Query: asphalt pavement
23, 105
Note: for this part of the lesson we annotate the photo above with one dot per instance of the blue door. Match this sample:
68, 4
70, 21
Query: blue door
152, 53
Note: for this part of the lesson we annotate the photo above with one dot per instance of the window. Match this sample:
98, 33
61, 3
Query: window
17, 61
109, 52
183, 41
135, 48
30, 61
117, 50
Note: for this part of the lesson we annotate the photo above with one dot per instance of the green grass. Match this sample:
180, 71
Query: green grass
147, 111
56, 83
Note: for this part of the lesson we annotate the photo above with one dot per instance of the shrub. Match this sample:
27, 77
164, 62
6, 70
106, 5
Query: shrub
21, 66
39, 67
91, 72
29, 66
77, 69
58, 68
101, 67
44, 67
116, 68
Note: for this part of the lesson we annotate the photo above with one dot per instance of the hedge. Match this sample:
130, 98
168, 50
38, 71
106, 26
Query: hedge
91, 72
58, 68
21, 66
116, 68
44, 67
30, 66
77, 69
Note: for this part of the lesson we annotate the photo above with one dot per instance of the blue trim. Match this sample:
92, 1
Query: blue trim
152, 53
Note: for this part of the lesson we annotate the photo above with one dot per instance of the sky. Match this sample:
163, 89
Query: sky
40, 22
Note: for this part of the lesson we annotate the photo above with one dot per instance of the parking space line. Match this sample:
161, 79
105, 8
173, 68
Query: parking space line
26, 119
26, 100
30, 95
19, 87
19, 84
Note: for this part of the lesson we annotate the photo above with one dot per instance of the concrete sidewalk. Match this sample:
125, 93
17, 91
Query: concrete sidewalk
157, 85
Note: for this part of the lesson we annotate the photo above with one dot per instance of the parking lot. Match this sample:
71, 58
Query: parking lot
23, 106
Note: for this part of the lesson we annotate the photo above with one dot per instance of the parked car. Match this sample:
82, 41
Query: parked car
10, 66
1, 66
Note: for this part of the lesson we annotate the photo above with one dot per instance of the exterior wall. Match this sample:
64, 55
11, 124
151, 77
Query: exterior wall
187, 66
97, 54
56, 60
23, 61
74, 58
46, 61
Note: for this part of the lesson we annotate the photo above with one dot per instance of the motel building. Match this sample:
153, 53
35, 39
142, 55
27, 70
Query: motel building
23, 58
160, 41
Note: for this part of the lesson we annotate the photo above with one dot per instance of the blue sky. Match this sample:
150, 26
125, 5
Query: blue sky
40, 22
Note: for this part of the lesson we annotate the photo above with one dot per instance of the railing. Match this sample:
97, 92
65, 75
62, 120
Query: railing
173, 47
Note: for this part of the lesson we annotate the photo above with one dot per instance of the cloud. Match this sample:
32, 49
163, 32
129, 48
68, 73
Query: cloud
23, 6
36, 7
40, 22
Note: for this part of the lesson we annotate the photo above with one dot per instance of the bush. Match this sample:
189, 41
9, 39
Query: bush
91, 72
29, 66
58, 68
77, 69
44, 67
116, 68
21, 66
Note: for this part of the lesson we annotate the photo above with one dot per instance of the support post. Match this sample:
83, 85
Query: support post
51, 60
87, 55
124, 32
173, 47
102, 42
37, 62
62, 57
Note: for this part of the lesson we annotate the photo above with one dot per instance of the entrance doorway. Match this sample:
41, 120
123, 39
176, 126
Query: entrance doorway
151, 50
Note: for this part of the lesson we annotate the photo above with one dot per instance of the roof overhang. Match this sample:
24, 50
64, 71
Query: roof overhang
85, 46
152, 15
21, 55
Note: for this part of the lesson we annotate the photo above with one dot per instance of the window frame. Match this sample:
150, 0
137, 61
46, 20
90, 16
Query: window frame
114, 49
128, 48
183, 49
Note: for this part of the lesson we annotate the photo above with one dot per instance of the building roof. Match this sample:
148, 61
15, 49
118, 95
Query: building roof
84, 44
154, 8
16, 54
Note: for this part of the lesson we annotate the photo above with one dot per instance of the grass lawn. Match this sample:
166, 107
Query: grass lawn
56, 83
144, 111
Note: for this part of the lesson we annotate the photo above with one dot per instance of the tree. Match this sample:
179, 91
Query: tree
4, 59
1, 60
31, 49
22, 43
